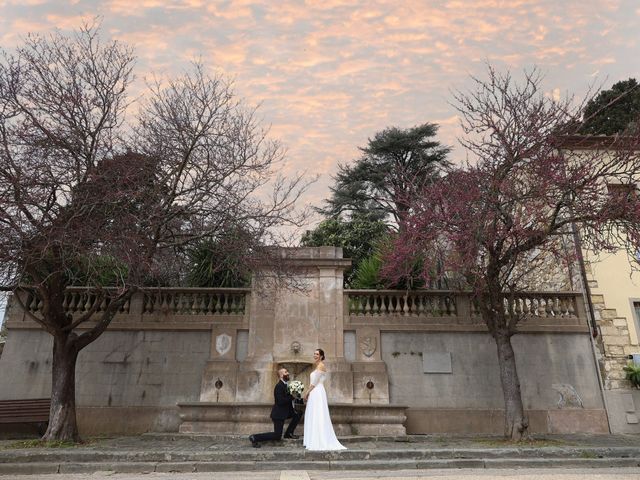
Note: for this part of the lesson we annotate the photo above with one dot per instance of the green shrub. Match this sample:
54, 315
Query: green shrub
633, 374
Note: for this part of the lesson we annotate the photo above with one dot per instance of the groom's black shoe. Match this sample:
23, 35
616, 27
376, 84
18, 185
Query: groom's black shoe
253, 441
291, 436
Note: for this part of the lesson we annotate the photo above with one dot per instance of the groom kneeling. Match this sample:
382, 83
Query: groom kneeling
282, 409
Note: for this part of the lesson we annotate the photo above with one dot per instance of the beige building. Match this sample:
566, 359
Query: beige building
613, 293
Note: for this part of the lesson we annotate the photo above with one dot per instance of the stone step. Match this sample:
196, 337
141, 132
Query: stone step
298, 454
32, 468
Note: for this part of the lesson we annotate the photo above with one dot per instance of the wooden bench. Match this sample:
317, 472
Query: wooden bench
32, 410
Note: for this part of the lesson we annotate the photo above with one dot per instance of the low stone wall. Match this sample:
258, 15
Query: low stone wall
491, 421
98, 421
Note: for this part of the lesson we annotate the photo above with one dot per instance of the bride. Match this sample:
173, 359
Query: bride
318, 431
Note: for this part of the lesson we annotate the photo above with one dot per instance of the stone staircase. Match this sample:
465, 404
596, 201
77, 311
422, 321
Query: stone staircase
212, 454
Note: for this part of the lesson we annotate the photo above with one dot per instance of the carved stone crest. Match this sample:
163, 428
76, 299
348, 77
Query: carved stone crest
569, 398
368, 346
223, 344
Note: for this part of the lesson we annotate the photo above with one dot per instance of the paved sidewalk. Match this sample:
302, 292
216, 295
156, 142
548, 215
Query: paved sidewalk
521, 474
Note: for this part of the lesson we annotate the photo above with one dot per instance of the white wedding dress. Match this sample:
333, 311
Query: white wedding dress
318, 431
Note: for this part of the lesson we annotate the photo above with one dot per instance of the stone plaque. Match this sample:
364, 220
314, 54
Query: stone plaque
436, 362
223, 344
350, 346
627, 401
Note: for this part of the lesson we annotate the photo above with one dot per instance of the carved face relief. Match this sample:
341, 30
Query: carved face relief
223, 344
368, 346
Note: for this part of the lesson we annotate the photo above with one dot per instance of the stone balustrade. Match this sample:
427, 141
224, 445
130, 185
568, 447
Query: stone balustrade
437, 303
181, 308
448, 303
443, 309
195, 301
211, 305
77, 300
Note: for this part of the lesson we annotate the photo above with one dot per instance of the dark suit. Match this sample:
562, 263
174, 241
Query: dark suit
282, 409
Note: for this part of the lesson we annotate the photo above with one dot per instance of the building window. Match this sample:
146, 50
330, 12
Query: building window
636, 311
625, 190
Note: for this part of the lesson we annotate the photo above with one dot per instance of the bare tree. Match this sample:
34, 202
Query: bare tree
501, 221
84, 198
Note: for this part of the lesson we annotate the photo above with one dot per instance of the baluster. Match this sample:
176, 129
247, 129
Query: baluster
202, 303
571, 309
427, 307
419, 304
225, 303
517, 306
547, 307
393, 304
452, 306
65, 302
355, 304
183, 303
213, 303
556, 307
560, 306
164, 306
233, 307
104, 303
367, 305
72, 302
191, 303
352, 304
241, 304
405, 306
87, 304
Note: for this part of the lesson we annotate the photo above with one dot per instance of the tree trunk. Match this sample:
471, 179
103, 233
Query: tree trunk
62, 416
516, 422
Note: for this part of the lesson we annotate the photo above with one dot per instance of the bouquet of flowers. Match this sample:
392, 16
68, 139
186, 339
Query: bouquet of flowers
295, 388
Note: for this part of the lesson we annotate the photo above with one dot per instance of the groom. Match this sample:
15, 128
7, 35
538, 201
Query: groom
282, 409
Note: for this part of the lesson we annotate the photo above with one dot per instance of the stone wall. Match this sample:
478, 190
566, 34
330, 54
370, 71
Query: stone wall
451, 382
141, 375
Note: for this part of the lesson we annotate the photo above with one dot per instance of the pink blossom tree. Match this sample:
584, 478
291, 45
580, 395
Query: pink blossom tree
83, 193
505, 217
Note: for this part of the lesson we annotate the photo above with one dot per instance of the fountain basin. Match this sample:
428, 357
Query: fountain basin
248, 418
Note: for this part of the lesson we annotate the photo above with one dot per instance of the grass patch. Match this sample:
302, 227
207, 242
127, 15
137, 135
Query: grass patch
531, 442
37, 443
588, 454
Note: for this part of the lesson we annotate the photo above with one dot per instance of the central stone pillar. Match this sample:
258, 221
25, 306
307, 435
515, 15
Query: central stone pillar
289, 321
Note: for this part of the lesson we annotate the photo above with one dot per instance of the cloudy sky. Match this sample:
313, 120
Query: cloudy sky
329, 74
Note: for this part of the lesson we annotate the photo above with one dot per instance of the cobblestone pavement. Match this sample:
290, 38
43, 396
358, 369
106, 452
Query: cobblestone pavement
470, 474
